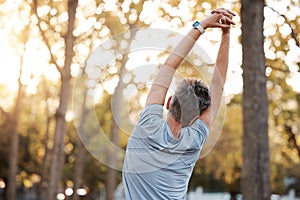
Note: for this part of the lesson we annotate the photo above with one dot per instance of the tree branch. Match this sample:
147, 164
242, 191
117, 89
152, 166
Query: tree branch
293, 34
43, 34
2, 111
292, 138
277, 69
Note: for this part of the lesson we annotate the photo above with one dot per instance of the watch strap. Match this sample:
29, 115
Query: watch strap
197, 25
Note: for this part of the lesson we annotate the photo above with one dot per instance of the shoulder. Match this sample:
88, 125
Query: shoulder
151, 114
199, 127
152, 109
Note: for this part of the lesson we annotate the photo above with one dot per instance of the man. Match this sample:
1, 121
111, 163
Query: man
161, 153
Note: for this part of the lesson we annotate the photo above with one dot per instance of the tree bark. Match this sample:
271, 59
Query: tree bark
82, 153
65, 92
79, 168
14, 140
46, 159
111, 174
255, 171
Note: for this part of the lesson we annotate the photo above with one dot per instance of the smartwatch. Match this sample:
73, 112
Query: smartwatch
197, 25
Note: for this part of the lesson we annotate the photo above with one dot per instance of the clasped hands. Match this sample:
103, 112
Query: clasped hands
219, 18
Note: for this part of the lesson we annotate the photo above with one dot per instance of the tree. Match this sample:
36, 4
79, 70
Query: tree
255, 170
81, 151
45, 164
14, 141
282, 64
65, 93
13, 119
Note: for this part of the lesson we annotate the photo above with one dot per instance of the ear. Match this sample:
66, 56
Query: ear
168, 102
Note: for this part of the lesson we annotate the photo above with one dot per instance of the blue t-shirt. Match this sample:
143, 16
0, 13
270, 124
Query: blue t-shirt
157, 165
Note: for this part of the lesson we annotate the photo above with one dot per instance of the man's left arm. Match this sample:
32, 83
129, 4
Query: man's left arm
164, 77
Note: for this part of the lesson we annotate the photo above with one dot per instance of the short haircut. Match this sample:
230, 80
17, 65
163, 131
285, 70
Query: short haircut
191, 98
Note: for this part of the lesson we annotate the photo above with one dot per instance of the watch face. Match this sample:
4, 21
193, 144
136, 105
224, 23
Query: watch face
196, 24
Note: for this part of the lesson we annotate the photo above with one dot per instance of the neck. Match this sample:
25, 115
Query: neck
174, 125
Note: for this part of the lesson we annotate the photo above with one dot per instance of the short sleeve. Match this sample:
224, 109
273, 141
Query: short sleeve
200, 127
202, 131
151, 118
195, 135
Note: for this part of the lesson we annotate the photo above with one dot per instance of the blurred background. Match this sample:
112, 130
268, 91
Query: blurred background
43, 53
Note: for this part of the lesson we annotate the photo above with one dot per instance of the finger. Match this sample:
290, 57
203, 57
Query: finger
224, 26
218, 9
219, 25
222, 13
223, 20
225, 12
229, 21
226, 20
228, 11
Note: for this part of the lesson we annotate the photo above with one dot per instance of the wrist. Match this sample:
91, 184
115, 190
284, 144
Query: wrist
204, 24
198, 25
226, 32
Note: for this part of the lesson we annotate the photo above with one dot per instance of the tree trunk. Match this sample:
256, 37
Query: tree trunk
65, 92
14, 141
45, 163
46, 160
82, 153
58, 148
111, 174
13, 159
79, 168
255, 171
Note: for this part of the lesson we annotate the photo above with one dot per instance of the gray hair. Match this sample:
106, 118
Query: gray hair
190, 99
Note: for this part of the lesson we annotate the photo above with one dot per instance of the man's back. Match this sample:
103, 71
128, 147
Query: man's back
157, 165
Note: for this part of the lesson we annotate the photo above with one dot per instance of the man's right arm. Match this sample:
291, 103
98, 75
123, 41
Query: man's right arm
218, 79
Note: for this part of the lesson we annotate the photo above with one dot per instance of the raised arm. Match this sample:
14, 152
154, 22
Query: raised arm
219, 77
164, 77
158, 91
